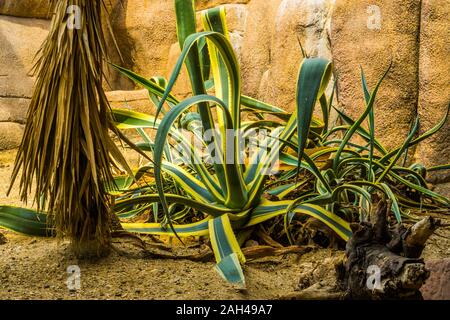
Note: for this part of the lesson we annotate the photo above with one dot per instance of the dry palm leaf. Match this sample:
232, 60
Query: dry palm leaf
66, 148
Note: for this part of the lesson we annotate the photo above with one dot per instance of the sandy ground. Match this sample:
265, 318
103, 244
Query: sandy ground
35, 268
6, 167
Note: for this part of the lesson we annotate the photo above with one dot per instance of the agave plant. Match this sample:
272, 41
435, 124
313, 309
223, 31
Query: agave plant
221, 190
228, 193
226, 199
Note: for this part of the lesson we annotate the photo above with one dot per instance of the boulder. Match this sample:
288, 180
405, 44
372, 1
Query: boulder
236, 21
256, 43
136, 100
10, 135
21, 38
296, 21
14, 109
145, 31
206, 4
266, 36
182, 88
437, 286
26, 8
237, 15
434, 80
371, 36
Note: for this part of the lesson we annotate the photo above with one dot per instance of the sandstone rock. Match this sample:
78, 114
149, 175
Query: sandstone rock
136, 100
434, 80
26, 8
206, 4
265, 35
20, 39
369, 35
296, 20
182, 88
236, 39
437, 286
13, 109
236, 18
117, 53
264, 84
145, 31
237, 15
256, 44
146, 35
10, 135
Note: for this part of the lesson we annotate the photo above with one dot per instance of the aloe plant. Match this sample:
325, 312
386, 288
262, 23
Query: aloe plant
322, 172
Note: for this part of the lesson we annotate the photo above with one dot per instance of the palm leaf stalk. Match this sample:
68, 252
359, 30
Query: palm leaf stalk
66, 150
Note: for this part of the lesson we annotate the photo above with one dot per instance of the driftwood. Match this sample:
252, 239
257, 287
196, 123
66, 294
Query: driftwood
384, 263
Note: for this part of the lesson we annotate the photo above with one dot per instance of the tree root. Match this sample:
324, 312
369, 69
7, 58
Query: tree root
314, 293
251, 253
384, 263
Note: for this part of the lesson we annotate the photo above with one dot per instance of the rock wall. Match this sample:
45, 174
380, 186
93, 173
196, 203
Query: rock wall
437, 286
373, 38
26, 8
266, 35
434, 82
20, 39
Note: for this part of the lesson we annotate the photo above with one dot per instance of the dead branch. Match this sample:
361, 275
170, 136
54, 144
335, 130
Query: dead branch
383, 262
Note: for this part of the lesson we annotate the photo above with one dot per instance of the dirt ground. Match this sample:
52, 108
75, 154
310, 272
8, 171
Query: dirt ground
36, 268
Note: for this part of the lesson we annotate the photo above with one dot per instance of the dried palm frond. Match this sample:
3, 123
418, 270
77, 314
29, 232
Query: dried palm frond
66, 149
